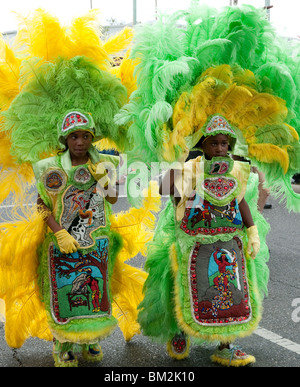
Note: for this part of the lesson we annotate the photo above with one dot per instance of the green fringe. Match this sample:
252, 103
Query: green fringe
156, 311
263, 256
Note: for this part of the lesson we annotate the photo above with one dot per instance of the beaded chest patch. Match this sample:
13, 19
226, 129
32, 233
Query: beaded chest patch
219, 292
79, 283
203, 217
219, 187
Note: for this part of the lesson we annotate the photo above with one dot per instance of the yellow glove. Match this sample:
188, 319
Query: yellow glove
253, 241
66, 243
99, 173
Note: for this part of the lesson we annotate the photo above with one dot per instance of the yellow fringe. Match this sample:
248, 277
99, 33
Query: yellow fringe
16, 179
25, 314
125, 72
127, 288
9, 73
269, 153
233, 363
84, 337
2, 310
117, 43
136, 225
41, 35
127, 282
235, 98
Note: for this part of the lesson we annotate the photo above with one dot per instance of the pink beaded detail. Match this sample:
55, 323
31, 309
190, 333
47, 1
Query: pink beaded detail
74, 120
219, 187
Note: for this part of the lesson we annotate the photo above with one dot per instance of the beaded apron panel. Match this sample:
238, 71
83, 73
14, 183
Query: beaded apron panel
83, 212
219, 290
79, 283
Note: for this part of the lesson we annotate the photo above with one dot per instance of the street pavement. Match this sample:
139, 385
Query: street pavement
275, 344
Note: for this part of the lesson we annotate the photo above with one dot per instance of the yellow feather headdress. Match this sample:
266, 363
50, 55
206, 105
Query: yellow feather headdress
41, 37
42, 41
258, 119
229, 63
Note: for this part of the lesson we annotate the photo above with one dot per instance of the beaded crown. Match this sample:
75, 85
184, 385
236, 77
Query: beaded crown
76, 120
219, 125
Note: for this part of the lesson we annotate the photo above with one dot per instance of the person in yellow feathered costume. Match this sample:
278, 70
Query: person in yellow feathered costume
62, 270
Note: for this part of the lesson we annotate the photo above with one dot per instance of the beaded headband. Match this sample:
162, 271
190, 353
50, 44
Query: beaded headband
76, 120
218, 124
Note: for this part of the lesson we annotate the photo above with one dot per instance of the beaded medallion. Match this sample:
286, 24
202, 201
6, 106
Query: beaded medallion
54, 180
82, 175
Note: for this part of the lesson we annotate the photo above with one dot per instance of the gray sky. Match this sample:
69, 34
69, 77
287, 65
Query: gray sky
284, 14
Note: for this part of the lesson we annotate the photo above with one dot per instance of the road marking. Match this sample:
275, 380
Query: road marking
14, 205
279, 340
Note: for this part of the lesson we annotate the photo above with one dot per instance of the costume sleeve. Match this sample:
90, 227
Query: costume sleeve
185, 182
45, 171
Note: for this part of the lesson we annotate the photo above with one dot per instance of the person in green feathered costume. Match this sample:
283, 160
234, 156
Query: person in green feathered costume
199, 262
224, 66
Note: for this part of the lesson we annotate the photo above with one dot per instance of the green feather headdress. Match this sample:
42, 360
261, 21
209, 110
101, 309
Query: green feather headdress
201, 62
54, 89
39, 73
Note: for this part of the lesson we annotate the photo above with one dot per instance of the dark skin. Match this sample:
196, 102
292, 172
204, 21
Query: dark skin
78, 144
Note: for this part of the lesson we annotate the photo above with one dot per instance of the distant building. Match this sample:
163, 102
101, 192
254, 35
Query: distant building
107, 31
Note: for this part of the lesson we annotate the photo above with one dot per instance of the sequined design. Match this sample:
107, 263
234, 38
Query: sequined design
79, 285
74, 120
203, 217
83, 212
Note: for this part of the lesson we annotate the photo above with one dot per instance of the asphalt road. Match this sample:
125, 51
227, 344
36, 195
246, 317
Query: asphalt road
275, 344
